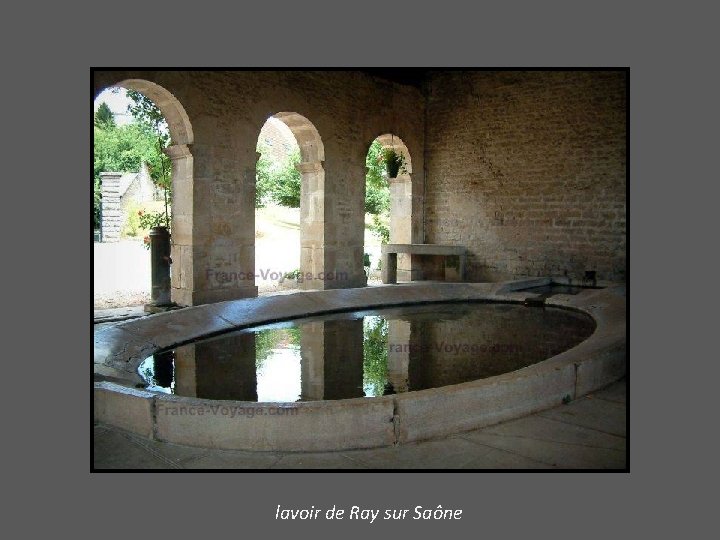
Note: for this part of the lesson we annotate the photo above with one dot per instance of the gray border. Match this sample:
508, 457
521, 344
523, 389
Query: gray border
672, 74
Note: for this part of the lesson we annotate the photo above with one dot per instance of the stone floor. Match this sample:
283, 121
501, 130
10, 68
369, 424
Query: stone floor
589, 433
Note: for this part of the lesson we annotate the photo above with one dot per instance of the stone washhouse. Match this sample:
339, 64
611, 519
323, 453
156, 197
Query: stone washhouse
526, 171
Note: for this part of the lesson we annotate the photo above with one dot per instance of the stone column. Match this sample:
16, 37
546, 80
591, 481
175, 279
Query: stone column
312, 223
400, 213
312, 363
399, 343
217, 231
332, 360
185, 371
225, 368
181, 227
112, 216
343, 366
389, 267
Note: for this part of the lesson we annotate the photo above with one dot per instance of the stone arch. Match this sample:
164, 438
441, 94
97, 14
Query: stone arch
181, 131
402, 205
179, 151
312, 197
389, 140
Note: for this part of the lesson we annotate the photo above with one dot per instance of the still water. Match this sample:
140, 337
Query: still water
366, 353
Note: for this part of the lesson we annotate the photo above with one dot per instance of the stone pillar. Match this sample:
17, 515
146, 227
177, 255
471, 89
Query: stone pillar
112, 215
389, 267
343, 366
312, 223
401, 223
185, 371
332, 360
215, 227
181, 227
312, 363
399, 344
225, 368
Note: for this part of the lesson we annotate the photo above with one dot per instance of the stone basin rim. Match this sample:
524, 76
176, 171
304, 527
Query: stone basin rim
135, 362
415, 415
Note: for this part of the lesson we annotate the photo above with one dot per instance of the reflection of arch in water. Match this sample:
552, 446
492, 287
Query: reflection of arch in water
222, 368
332, 359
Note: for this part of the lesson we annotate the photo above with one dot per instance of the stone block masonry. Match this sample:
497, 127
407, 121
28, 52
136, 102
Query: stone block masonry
524, 169
112, 212
215, 119
527, 170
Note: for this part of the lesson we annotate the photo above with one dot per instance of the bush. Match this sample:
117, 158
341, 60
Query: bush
132, 221
380, 229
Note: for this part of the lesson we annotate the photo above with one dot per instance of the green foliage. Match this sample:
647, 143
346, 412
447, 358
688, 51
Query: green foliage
380, 228
97, 203
377, 192
280, 185
377, 200
148, 220
394, 162
293, 275
264, 179
132, 221
375, 355
267, 340
125, 148
147, 114
285, 189
375, 168
148, 117
104, 118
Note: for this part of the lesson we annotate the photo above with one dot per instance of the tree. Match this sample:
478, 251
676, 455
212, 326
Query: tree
375, 355
150, 119
377, 192
123, 149
284, 185
104, 118
264, 179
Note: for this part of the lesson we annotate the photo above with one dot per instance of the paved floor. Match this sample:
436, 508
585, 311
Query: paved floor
588, 433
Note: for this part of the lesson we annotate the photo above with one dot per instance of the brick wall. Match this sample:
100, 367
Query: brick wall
527, 170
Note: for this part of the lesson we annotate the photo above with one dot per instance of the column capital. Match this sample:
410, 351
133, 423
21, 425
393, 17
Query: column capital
400, 179
309, 166
177, 151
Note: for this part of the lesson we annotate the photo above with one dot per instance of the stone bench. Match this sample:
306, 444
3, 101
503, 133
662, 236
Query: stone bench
390, 253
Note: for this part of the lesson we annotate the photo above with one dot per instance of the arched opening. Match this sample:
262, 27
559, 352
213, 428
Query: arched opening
388, 205
295, 181
178, 164
277, 208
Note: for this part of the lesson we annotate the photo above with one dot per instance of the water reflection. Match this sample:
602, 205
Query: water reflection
371, 353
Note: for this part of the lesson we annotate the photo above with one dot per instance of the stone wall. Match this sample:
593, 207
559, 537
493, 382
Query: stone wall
112, 213
527, 169
215, 119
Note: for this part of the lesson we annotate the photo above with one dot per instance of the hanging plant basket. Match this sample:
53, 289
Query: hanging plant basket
394, 162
